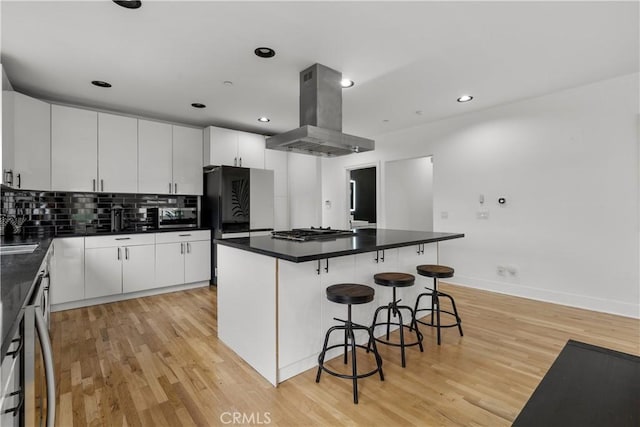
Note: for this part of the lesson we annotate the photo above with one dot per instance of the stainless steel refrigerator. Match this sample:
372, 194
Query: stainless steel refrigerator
237, 202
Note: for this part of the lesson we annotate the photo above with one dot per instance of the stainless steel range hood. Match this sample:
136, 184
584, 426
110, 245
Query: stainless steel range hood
320, 131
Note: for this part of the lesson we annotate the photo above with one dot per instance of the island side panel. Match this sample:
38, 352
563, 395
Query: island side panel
247, 308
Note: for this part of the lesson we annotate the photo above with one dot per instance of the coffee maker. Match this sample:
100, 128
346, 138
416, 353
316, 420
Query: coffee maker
117, 218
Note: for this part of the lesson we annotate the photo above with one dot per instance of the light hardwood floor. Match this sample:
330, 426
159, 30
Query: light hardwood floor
156, 361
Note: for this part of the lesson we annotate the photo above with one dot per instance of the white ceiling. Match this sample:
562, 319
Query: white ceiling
405, 57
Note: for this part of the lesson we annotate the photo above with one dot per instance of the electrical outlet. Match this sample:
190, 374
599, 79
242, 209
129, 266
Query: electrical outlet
500, 270
444, 215
513, 271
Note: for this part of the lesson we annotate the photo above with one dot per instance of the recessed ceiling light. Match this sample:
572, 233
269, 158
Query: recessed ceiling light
465, 98
386, 120
265, 52
129, 4
419, 112
198, 105
264, 119
100, 83
227, 83
345, 83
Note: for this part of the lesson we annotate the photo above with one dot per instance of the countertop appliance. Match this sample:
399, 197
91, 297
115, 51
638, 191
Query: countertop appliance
237, 202
177, 217
117, 218
312, 233
320, 131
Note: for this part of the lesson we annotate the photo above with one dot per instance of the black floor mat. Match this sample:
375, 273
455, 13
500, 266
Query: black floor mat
586, 386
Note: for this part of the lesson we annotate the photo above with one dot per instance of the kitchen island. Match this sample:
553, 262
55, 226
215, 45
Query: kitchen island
272, 307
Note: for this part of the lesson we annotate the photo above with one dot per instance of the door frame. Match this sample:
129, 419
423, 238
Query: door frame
347, 178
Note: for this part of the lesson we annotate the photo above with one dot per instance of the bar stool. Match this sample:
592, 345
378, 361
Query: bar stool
437, 272
396, 280
349, 293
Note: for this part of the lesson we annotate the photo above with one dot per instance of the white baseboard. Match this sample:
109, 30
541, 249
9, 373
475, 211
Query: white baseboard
563, 298
122, 297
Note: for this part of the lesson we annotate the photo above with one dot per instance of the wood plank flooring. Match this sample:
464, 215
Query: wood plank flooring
156, 361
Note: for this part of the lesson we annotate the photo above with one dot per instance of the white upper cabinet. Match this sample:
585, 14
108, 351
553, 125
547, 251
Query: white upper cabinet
74, 149
233, 148
155, 159
187, 160
251, 148
26, 141
117, 153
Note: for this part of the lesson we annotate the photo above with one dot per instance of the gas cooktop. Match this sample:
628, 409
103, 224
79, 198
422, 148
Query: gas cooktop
313, 233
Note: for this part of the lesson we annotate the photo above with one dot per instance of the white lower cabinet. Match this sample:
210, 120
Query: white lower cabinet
117, 264
138, 268
183, 257
67, 270
103, 272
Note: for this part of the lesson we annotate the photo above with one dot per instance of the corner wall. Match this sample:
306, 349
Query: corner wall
567, 165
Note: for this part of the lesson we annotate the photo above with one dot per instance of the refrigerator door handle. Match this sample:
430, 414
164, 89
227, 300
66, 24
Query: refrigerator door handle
47, 356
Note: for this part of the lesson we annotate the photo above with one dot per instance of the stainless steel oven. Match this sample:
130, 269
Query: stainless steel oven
39, 381
177, 217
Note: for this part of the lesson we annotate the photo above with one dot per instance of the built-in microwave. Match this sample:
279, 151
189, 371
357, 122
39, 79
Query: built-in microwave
177, 217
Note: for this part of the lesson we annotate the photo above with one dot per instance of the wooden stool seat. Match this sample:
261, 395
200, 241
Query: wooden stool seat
397, 280
350, 293
439, 271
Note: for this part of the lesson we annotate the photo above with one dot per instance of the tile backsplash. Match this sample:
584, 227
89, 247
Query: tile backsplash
52, 213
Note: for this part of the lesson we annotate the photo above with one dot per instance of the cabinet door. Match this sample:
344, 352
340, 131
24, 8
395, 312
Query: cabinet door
27, 142
138, 268
187, 160
103, 272
251, 149
221, 147
277, 161
197, 261
117, 153
169, 264
154, 157
74, 149
67, 270
261, 199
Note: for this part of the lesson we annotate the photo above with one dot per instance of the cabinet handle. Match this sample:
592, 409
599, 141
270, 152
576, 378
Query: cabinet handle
118, 253
123, 238
235, 161
182, 248
16, 409
240, 161
16, 352
184, 235
19, 180
94, 184
102, 185
126, 253
175, 188
188, 247
169, 188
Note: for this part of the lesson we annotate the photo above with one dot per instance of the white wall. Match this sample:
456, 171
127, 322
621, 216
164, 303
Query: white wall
567, 163
304, 191
409, 194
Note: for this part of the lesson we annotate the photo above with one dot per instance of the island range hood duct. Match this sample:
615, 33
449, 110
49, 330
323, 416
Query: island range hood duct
320, 131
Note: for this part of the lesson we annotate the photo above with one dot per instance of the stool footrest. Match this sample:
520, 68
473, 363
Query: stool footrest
346, 376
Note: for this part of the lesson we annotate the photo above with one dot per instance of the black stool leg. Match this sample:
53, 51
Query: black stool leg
354, 367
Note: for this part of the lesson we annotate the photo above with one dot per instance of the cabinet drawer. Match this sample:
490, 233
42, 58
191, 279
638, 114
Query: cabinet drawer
119, 240
183, 236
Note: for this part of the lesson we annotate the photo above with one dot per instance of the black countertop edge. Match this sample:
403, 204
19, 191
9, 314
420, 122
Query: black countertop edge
245, 244
18, 277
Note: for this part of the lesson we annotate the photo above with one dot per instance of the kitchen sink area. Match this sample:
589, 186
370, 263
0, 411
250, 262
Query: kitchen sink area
18, 249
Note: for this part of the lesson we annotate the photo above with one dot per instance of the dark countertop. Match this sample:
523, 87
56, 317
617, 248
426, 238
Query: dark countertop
363, 240
17, 277
18, 273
